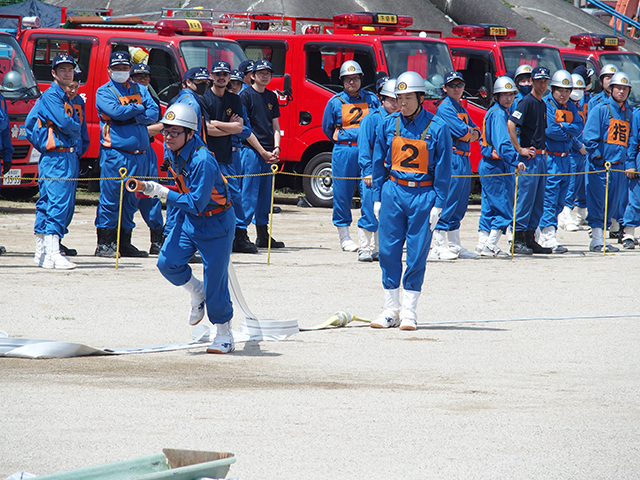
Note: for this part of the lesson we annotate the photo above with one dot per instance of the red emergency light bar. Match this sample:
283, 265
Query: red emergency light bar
598, 40
483, 30
372, 19
184, 27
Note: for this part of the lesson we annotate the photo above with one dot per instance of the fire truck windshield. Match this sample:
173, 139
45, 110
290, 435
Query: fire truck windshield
430, 59
529, 55
17, 79
203, 53
628, 63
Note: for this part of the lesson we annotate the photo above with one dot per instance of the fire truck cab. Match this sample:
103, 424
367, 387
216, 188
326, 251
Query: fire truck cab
482, 52
169, 47
306, 54
594, 50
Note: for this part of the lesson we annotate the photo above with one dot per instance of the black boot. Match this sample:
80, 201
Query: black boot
530, 238
520, 245
68, 252
157, 239
127, 249
262, 241
106, 243
241, 242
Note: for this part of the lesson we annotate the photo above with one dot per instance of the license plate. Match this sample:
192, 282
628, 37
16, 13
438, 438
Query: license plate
12, 177
385, 18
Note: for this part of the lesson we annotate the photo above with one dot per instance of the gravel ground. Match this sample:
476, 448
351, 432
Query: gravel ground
554, 395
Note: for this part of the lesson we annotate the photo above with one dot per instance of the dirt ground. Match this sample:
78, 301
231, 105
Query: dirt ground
551, 392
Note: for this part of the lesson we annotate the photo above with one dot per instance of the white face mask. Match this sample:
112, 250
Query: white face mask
120, 77
576, 95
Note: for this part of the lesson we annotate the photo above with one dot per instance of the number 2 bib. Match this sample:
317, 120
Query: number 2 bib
408, 155
353, 113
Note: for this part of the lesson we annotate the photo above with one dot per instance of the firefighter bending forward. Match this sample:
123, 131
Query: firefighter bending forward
411, 177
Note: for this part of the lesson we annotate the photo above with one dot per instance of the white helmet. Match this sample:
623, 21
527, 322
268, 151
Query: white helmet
561, 79
12, 81
504, 85
523, 70
608, 69
409, 82
182, 115
620, 78
578, 81
350, 67
388, 88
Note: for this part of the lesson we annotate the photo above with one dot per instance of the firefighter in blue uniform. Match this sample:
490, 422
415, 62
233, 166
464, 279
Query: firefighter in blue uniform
6, 149
125, 109
341, 124
606, 74
411, 176
498, 158
368, 224
463, 133
631, 215
564, 124
54, 128
205, 222
608, 137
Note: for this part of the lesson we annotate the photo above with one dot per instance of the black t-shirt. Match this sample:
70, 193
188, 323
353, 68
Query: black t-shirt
531, 116
220, 108
262, 108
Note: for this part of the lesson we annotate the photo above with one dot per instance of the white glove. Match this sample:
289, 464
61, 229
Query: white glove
376, 209
155, 190
434, 216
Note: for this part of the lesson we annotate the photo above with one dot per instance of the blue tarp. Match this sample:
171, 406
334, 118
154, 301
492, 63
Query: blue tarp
49, 14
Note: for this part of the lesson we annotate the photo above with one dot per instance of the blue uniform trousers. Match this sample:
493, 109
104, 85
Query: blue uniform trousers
404, 217
577, 193
624, 198
530, 200
55, 207
111, 160
234, 185
632, 212
151, 208
458, 198
596, 184
367, 220
496, 210
213, 238
256, 191
344, 163
556, 189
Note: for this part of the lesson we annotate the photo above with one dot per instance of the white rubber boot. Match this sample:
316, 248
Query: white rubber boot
408, 317
597, 240
196, 288
53, 259
346, 243
374, 246
38, 258
364, 239
456, 246
564, 217
390, 315
548, 234
491, 248
581, 216
223, 342
483, 236
439, 248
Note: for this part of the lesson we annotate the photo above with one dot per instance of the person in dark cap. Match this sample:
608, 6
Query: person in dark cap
246, 68
463, 133
125, 109
530, 117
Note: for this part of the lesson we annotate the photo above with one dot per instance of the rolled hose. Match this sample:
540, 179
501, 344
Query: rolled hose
339, 319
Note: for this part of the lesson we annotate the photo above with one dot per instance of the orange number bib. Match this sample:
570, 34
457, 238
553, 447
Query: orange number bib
565, 116
618, 133
79, 111
353, 113
464, 117
408, 155
68, 109
136, 98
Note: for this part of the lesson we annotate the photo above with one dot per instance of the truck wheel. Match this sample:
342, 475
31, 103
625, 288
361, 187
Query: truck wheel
22, 193
319, 187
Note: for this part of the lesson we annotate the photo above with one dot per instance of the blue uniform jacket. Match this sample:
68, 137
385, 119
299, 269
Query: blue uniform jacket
6, 148
53, 109
332, 117
633, 157
438, 145
367, 138
191, 98
596, 132
458, 121
83, 141
583, 108
559, 133
125, 110
202, 177
496, 143
236, 138
597, 99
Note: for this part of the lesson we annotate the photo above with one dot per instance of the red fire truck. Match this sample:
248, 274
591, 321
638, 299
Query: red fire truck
168, 47
594, 50
20, 90
306, 54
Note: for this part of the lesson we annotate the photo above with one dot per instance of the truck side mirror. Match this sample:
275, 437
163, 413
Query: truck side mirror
287, 85
488, 85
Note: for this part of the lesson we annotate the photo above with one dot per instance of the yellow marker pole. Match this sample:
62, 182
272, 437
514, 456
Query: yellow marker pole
274, 171
607, 165
513, 225
123, 173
